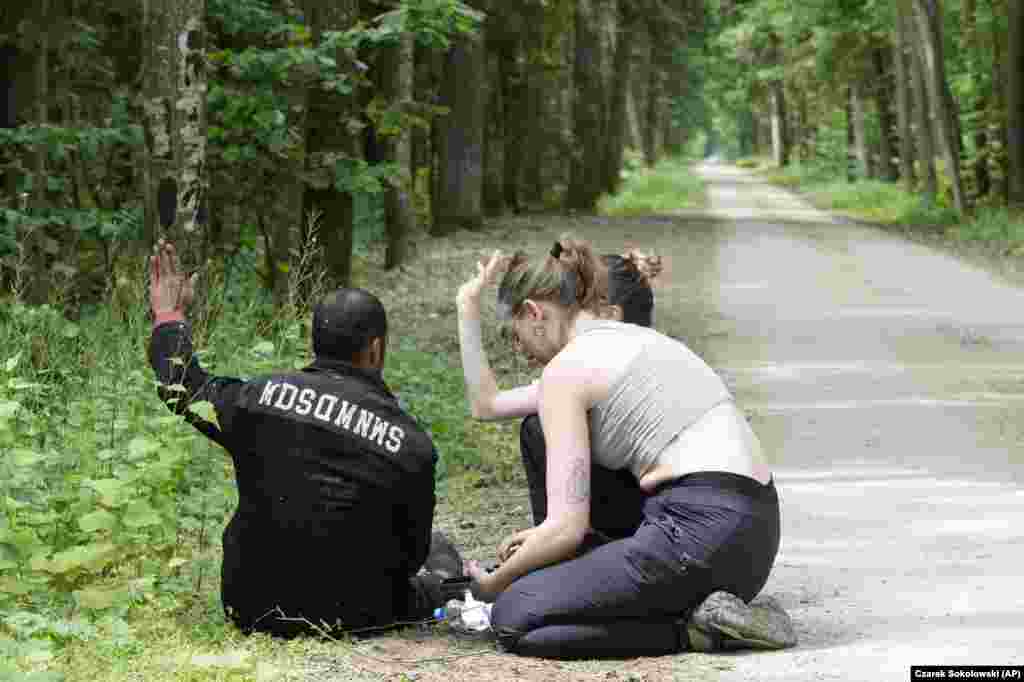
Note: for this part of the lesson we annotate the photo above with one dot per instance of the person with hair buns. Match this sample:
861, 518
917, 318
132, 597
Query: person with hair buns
694, 541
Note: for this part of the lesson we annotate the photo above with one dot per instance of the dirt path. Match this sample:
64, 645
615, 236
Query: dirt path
885, 378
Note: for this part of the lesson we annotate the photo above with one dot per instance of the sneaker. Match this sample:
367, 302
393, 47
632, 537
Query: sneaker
724, 622
443, 559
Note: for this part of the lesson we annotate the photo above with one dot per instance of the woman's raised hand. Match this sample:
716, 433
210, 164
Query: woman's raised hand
487, 272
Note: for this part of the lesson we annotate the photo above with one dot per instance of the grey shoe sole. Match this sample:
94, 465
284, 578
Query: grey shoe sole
724, 621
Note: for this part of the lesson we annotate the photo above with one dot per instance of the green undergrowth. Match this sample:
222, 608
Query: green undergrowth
889, 204
669, 186
111, 507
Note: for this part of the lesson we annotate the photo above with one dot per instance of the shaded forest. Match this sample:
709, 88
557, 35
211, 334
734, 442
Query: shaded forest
274, 140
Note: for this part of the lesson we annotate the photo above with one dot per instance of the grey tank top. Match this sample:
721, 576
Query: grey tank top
664, 389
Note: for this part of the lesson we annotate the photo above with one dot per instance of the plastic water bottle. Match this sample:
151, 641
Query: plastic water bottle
450, 612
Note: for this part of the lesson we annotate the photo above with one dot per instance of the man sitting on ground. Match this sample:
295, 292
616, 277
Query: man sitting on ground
335, 480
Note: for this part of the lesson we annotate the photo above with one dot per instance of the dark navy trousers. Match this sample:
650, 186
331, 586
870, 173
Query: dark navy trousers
703, 532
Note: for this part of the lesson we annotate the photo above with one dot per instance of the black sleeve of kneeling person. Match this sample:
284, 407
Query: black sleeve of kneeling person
414, 526
170, 355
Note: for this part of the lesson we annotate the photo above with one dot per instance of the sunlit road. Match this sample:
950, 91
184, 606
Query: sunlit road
886, 381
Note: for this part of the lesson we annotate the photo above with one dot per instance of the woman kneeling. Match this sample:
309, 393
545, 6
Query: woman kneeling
616, 396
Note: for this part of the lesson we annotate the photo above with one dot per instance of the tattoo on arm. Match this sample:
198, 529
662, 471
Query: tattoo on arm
578, 488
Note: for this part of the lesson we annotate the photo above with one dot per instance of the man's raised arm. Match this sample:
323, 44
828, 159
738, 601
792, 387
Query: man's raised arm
184, 383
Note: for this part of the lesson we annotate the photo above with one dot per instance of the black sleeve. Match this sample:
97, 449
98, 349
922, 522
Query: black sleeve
170, 355
415, 518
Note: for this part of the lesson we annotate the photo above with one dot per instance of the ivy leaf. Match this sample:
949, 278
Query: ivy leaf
100, 519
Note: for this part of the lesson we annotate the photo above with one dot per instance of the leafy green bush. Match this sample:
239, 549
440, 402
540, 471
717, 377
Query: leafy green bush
669, 186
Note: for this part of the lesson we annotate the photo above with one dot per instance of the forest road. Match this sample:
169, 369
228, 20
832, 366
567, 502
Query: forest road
886, 381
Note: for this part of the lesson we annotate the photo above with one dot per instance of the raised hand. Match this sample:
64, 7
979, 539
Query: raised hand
170, 290
487, 272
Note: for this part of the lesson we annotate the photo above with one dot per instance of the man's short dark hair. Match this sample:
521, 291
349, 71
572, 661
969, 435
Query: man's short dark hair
345, 322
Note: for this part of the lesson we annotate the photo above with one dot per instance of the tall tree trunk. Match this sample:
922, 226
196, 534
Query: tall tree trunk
587, 176
883, 96
328, 143
652, 106
618, 113
851, 137
534, 127
904, 99
174, 102
36, 282
924, 131
780, 129
516, 114
495, 136
400, 216
458, 201
860, 133
982, 178
804, 128
998, 117
1015, 102
928, 17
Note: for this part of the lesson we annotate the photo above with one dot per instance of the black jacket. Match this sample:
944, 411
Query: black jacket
335, 486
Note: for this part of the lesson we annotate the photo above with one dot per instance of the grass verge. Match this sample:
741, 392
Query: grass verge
668, 187
989, 230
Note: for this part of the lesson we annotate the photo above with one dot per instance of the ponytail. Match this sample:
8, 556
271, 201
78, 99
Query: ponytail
571, 275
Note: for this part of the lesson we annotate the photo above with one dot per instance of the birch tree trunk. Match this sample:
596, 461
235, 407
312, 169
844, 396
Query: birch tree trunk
927, 16
174, 106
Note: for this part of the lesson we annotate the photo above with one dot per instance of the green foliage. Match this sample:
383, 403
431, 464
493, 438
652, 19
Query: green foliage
102, 491
870, 200
669, 186
993, 225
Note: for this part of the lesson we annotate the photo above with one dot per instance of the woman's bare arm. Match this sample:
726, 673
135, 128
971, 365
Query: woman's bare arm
485, 400
566, 393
